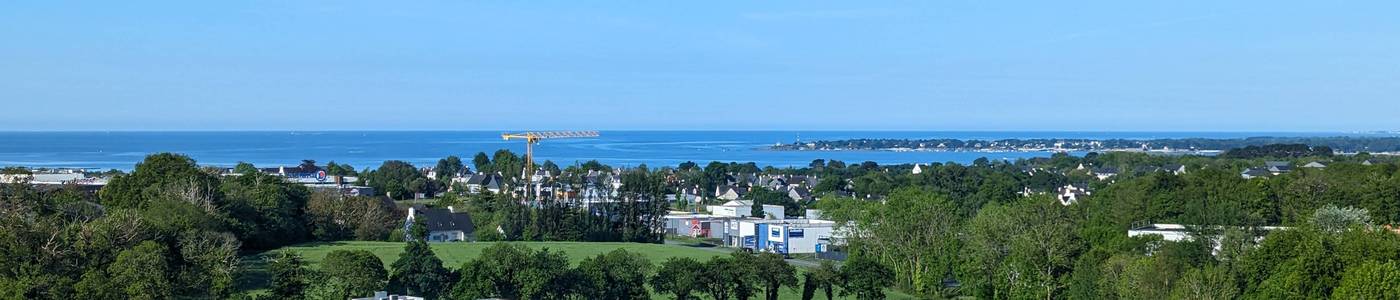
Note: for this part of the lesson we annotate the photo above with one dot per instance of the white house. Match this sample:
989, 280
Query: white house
1278, 167
799, 194
1105, 173
477, 183
730, 192
689, 195
1070, 194
383, 295
444, 225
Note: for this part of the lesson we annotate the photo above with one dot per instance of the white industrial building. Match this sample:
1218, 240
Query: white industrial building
789, 236
743, 209
1178, 232
696, 225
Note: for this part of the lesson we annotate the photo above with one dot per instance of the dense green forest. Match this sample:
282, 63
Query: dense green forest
956, 230
989, 229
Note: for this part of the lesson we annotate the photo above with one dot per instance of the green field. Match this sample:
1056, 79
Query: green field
453, 255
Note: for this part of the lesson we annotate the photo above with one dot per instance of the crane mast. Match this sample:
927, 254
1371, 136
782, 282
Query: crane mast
534, 137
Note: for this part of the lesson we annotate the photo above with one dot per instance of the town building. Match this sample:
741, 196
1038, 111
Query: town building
1253, 173
1105, 173
1178, 232
730, 192
480, 182
1175, 169
1070, 194
383, 295
799, 194
1278, 167
743, 209
307, 169
696, 225
1315, 165
782, 236
444, 225
690, 195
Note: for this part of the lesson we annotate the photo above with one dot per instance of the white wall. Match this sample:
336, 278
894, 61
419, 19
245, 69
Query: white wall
447, 236
811, 236
774, 210
730, 211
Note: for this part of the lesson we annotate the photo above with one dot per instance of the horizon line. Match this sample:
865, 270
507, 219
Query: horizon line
1378, 131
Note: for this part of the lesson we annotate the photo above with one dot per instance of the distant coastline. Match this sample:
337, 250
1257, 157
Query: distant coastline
365, 149
1198, 146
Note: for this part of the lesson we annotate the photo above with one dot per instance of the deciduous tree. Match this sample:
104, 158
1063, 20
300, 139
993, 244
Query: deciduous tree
678, 276
865, 279
289, 275
418, 271
359, 270
616, 275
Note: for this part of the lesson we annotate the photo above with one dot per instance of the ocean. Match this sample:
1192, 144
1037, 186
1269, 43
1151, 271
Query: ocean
361, 149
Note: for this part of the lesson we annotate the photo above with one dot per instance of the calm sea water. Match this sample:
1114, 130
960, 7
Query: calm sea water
121, 150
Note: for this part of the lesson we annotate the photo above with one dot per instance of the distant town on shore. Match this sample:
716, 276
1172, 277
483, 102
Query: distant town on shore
1339, 144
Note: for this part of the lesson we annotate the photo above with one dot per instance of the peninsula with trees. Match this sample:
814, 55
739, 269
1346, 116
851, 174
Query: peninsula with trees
1339, 144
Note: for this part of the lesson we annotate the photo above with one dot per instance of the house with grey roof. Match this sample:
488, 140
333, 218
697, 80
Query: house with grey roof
1175, 169
444, 225
799, 194
1253, 173
1105, 173
476, 183
730, 192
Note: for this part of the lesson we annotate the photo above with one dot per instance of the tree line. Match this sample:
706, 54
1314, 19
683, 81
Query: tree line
168, 229
513, 271
965, 230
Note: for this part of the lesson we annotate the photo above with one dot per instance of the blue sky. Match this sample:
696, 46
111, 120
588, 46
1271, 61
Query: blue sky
751, 65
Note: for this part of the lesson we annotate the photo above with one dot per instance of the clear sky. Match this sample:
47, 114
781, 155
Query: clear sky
751, 65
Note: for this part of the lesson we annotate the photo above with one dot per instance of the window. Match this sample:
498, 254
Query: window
776, 233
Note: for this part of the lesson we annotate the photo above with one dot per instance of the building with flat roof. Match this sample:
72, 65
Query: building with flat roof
786, 236
696, 225
744, 208
1178, 232
383, 295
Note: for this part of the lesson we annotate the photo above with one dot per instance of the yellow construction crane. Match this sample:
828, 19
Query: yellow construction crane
533, 137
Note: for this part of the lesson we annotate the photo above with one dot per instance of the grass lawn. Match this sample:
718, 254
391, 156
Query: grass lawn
453, 255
